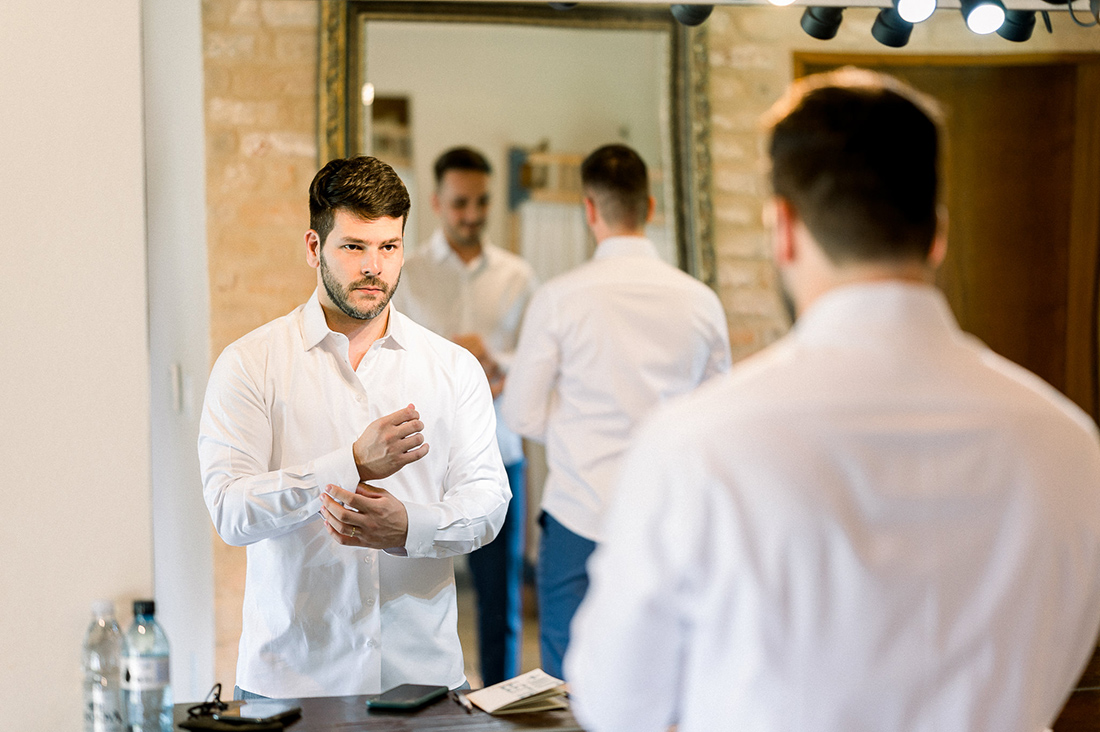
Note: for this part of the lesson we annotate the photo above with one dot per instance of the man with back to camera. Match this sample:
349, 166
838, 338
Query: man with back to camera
599, 347
462, 287
314, 446
875, 524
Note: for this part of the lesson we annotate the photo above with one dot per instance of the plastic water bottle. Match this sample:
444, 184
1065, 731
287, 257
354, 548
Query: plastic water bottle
145, 672
103, 710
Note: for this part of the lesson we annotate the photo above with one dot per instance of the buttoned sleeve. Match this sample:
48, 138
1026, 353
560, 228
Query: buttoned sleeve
247, 501
534, 370
475, 487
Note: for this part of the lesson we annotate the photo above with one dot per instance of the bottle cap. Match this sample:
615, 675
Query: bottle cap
144, 607
103, 608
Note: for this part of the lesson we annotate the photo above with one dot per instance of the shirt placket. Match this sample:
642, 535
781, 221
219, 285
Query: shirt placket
369, 625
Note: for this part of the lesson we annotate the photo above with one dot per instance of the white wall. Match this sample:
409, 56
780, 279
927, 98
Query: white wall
75, 515
179, 336
494, 86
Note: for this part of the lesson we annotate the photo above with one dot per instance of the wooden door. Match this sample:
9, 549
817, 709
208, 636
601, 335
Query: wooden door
1022, 186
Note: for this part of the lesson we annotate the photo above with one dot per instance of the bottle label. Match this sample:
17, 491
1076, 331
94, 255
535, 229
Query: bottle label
143, 673
104, 710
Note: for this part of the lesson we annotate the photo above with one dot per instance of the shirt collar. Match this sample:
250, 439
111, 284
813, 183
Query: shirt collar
887, 308
441, 251
315, 328
626, 246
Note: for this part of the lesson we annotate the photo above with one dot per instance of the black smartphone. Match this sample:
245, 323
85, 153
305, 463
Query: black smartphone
260, 711
406, 696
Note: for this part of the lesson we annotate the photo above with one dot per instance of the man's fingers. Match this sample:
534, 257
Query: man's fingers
411, 427
338, 493
402, 415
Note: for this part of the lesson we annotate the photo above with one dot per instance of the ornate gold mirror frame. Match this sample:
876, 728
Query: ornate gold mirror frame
340, 64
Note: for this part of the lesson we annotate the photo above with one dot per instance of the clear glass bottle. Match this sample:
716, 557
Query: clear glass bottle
145, 672
103, 707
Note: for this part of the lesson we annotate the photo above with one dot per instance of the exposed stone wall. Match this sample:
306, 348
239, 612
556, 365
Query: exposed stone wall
261, 142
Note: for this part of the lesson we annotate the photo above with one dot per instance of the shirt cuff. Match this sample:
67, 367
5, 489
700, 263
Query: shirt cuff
422, 527
338, 468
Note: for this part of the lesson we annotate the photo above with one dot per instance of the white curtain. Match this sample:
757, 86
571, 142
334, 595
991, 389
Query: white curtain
553, 237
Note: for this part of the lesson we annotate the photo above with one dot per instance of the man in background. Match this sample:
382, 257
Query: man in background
876, 523
600, 346
464, 288
314, 448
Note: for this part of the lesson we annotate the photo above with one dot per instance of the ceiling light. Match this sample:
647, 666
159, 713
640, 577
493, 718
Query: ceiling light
691, 14
781, 3
822, 23
983, 16
890, 29
915, 11
1018, 25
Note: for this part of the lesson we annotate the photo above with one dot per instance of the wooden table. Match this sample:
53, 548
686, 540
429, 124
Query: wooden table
350, 713
1082, 710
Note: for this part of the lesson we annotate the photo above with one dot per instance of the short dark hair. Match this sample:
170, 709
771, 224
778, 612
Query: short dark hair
615, 178
461, 158
362, 185
856, 153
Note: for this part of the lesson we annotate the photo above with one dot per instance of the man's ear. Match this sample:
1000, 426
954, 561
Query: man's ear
435, 202
650, 209
784, 220
938, 252
589, 211
313, 249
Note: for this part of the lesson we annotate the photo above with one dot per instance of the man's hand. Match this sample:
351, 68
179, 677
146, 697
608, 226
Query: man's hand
371, 517
389, 443
473, 343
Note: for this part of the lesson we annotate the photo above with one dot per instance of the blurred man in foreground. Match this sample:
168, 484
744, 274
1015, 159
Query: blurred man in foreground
875, 524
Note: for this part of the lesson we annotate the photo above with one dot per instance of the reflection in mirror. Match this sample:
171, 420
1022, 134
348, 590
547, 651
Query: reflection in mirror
535, 90
535, 101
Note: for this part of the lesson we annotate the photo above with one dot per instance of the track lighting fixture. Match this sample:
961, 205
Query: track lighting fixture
1018, 25
890, 29
691, 14
983, 16
915, 11
822, 22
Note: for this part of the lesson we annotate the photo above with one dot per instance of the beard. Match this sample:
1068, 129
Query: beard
341, 295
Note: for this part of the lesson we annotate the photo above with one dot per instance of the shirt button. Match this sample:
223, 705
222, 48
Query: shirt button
360, 398
371, 643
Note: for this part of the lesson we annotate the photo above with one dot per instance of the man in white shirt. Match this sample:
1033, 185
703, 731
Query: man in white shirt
599, 347
462, 287
875, 524
314, 447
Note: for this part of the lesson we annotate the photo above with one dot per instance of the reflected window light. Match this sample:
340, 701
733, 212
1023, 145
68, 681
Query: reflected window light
368, 94
781, 3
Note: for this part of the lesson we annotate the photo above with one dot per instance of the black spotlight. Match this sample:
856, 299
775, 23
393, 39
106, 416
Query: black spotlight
691, 14
1017, 26
822, 23
890, 29
562, 6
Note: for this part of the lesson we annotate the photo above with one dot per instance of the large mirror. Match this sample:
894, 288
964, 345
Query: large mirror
535, 89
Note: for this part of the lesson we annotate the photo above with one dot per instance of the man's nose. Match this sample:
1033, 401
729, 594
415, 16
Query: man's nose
371, 262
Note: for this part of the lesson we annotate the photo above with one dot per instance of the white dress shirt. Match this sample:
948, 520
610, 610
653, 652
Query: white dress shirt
600, 346
486, 296
875, 524
282, 410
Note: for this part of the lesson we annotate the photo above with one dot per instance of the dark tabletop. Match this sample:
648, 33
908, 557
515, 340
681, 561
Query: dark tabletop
350, 713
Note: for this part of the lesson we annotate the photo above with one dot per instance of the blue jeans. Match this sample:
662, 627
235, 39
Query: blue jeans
497, 570
562, 584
